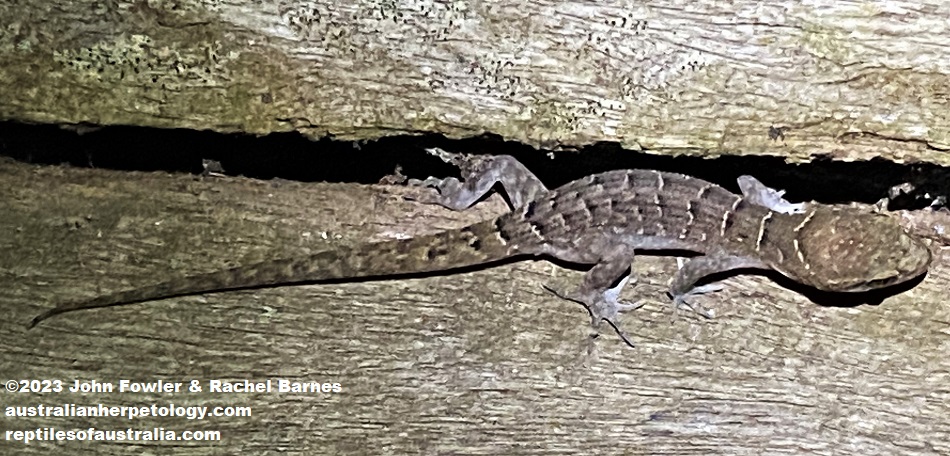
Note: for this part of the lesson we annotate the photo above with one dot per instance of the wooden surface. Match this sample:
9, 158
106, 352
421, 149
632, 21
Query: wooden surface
840, 79
479, 363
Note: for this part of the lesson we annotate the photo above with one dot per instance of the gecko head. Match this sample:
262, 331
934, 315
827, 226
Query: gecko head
848, 251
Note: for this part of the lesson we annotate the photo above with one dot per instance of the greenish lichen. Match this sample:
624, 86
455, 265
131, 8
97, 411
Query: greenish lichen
138, 60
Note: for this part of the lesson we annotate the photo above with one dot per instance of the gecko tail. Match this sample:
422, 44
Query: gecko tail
470, 246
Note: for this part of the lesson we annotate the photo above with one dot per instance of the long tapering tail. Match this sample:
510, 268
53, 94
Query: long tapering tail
473, 245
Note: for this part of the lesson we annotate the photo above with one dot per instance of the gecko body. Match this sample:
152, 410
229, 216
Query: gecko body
602, 220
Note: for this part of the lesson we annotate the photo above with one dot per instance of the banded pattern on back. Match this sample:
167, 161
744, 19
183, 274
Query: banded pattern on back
689, 213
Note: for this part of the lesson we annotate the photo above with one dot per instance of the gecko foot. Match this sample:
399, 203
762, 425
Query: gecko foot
480, 175
603, 307
680, 301
433, 190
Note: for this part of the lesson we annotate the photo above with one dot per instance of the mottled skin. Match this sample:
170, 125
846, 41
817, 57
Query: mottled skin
602, 220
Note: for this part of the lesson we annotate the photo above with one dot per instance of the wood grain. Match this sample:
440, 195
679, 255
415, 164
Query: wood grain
840, 80
482, 362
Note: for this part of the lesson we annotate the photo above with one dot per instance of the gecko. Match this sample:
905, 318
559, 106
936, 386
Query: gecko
602, 221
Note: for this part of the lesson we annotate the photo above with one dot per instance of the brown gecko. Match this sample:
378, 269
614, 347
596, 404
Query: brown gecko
602, 220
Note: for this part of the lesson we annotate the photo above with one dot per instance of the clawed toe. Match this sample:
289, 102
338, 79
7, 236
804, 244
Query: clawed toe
603, 308
681, 301
434, 191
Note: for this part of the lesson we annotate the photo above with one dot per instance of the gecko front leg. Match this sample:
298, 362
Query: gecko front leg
684, 283
759, 194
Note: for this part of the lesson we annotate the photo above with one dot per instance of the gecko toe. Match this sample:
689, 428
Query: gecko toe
606, 310
684, 301
603, 307
422, 192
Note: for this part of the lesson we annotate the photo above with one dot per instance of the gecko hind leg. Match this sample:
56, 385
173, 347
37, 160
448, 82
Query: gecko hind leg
600, 290
481, 173
605, 307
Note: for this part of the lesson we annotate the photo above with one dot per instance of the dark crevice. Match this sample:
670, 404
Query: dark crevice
291, 156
